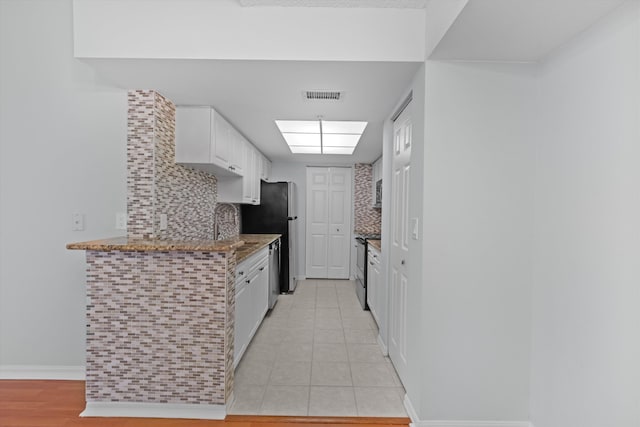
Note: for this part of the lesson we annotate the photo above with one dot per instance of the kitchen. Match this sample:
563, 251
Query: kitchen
495, 329
184, 192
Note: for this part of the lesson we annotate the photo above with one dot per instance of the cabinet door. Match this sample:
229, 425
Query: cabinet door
220, 145
266, 169
377, 297
255, 179
247, 186
261, 293
243, 321
371, 287
238, 147
374, 283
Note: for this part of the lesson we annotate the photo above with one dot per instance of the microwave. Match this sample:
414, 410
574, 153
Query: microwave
378, 202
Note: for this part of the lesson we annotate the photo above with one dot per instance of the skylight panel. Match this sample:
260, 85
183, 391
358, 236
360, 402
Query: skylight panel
298, 126
356, 128
321, 137
302, 139
340, 140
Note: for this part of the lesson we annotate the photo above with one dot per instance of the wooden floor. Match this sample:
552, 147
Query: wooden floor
26, 403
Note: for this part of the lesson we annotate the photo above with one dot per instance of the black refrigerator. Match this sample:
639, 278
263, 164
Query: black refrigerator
275, 215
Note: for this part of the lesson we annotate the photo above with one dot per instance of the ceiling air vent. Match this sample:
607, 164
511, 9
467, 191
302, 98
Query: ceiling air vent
322, 95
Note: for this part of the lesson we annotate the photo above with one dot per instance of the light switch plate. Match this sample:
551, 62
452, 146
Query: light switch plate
414, 228
77, 221
121, 221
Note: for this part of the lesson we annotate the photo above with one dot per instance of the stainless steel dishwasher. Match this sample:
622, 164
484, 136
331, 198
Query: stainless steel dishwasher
274, 272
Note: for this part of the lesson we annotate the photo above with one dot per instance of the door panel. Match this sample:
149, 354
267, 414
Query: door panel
328, 222
319, 212
319, 251
401, 176
338, 201
337, 254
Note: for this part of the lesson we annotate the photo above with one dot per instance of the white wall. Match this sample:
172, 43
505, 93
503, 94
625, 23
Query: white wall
586, 298
477, 210
295, 172
222, 29
62, 150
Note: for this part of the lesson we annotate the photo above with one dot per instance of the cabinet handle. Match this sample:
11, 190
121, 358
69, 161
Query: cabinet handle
370, 262
247, 281
261, 268
240, 273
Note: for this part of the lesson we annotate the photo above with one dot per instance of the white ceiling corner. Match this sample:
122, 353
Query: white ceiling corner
517, 30
394, 4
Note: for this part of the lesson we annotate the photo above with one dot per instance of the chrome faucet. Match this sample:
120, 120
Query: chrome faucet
216, 234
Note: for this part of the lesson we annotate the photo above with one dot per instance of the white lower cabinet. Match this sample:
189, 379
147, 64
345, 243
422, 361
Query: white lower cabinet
252, 300
374, 282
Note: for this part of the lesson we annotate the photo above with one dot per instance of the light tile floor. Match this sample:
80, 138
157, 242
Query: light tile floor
316, 353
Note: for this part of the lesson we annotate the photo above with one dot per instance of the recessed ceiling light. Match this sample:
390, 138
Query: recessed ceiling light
302, 139
340, 140
356, 128
298, 126
321, 137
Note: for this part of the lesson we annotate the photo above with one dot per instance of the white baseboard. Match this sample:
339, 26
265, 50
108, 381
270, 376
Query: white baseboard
471, 423
154, 410
38, 372
383, 346
410, 410
415, 422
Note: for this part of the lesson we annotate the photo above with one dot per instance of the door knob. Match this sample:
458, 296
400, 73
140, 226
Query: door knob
402, 262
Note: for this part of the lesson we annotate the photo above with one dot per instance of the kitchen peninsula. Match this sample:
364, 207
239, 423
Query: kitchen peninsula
161, 313
160, 324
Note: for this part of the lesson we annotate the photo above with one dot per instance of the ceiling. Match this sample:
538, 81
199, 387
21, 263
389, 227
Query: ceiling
251, 95
517, 30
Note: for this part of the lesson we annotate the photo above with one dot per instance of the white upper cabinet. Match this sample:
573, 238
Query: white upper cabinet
246, 189
265, 168
238, 152
204, 140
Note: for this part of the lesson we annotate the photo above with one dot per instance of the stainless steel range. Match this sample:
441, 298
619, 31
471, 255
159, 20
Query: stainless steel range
361, 267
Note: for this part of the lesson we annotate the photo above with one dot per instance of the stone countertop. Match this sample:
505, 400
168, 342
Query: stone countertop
248, 242
376, 244
253, 243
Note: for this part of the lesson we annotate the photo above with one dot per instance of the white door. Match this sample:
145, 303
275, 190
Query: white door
328, 222
401, 168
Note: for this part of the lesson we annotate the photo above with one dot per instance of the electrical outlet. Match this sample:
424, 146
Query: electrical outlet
163, 222
77, 221
121, 221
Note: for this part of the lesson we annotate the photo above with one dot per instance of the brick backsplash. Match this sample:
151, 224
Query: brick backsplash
160, 327
156, 184
367, 219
